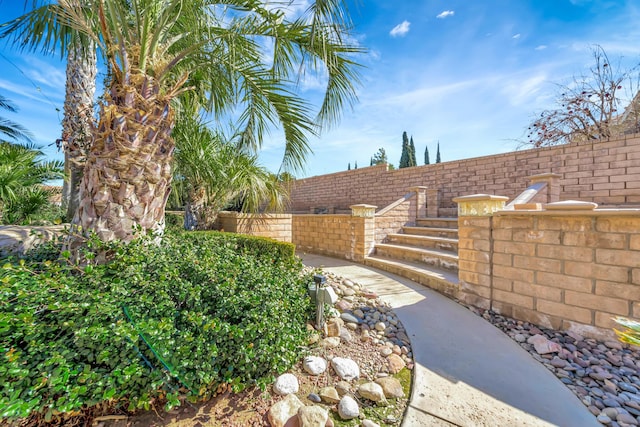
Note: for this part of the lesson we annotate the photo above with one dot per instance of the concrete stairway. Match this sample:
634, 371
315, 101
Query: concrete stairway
426, 253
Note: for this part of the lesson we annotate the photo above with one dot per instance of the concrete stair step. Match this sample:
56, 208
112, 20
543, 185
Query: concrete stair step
437, 222
431, 257
429, 242
440, 280
449, 233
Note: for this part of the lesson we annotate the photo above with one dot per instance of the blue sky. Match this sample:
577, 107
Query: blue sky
470, 74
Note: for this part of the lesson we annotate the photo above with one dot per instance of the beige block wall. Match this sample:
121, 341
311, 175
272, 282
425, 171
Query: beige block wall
340, 236
607, 173
572, 270
275, 226
393, 220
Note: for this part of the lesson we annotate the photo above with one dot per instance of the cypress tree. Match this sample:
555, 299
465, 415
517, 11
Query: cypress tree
426, 155
371, 163
412, 153
438, 153
356, 167
404, 158
349, 167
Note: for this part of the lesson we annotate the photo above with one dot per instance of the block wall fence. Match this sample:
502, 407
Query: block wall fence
275, 226
607, 173
573, 269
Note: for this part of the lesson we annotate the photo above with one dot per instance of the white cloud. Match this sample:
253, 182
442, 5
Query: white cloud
292, 10
522, 89
445, 14
401, 29
516, 36
45, 74
541, 47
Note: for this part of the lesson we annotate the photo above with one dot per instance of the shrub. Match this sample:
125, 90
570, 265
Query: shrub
631, 333
174, 221
250, 245
154, 324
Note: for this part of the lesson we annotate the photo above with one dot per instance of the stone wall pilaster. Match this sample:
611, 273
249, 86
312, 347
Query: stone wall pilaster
475, 249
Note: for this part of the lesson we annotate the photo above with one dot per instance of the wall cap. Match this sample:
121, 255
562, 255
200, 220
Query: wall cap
479, 197
566, 212
363, 210
570, 205
544, 176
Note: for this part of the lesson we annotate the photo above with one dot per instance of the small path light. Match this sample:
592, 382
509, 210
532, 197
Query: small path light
319, 281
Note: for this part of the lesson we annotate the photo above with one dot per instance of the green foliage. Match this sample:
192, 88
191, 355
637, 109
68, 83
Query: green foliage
174, 221
404, 157
408, 156
412, 153
10, 129
22, 171
212, 173
153, 324
426, 155
631, 333
380, 157
31, 207
438, 154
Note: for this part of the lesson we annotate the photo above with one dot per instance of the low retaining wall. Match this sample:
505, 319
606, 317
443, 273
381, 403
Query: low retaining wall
347, 236
16, 239
340, 236
275, 226
567, 267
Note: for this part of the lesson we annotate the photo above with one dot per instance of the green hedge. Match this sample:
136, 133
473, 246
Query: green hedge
250, 245
155, 323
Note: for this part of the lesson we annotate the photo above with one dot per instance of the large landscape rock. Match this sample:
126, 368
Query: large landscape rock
346, 369
314, 365
329, 395
348, 408
286, 384
373, 392
312, 416
280, 413
391, 387
396, 364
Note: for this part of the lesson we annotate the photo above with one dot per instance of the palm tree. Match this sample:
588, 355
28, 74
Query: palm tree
157, 51
21, 174
78, 121
211, 173
10, 129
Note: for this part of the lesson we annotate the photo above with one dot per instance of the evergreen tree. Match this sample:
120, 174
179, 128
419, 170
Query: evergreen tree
404, 158
371, 162
426, 155
438, 153
379, 158
356, 167
412, 153
349, 167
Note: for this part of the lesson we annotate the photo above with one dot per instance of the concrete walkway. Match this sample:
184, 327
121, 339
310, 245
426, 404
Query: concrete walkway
467, 372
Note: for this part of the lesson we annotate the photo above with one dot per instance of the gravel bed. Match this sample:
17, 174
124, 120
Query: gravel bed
604, 375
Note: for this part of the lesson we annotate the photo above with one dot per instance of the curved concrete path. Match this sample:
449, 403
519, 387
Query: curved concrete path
467, 372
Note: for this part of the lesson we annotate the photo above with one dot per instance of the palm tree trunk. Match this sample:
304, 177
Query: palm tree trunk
126, 181
78, 122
